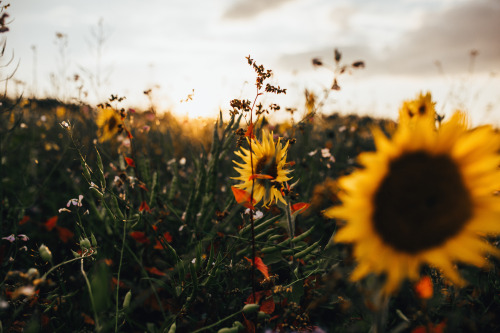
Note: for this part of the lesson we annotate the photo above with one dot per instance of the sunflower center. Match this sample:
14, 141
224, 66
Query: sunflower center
112, 123
421, 110
267, 166
421, 202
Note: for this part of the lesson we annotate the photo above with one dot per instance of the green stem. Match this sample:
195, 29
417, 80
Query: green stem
118, 277
96, 318
218, 323
61, 264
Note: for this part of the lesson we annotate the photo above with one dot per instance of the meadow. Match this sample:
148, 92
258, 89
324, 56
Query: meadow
124, 220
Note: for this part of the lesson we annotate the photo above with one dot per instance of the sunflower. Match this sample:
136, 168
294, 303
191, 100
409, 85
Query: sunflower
109, 123
420, 108
269, 169
424, 197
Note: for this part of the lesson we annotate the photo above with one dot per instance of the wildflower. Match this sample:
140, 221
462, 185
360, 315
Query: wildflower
109, 123
267, 172
258, 214
10, 238
75, 202
426, 196
23, 237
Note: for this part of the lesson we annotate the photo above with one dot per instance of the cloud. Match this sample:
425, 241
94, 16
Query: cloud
446, 36
245, 9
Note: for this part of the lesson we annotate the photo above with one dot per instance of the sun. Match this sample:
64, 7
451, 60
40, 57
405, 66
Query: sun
264, 168
424, 197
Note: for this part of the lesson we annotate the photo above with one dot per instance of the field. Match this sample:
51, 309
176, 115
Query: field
115, 219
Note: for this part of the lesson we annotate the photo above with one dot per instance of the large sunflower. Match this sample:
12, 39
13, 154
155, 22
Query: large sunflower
109, 123
269, 169
424, 197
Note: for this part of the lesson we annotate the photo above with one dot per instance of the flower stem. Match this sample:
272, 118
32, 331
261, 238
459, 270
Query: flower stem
96, 318
118, 277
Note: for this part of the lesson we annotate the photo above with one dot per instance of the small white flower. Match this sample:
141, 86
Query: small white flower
64, 124
43, 118
182, 161
312, 153
325, 152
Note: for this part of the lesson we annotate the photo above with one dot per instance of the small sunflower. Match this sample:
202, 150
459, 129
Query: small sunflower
424, 197
269, 169
420, 108
109, 123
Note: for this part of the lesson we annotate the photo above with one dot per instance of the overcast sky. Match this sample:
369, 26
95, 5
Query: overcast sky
176, 46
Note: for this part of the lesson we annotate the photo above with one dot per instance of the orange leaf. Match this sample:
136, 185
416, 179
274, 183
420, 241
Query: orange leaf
259, 176
259, 264
168, 238
25, 219
64, 234
249, 132
430, 328
108, 262
243, 197
114, 281
249, 326
154, 270
424, 288
144, 206
51, 223
139, 237
268, 305
87, 319
302, 206
129, 135
143, 187
130, 162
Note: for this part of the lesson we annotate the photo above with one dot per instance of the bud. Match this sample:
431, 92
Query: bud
85, 243
173, 328
93, 240
251, 308
228, 330
45, 253
262, 315
33, 273
126, 301
239, 325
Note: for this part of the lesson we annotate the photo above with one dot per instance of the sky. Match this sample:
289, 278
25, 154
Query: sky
179, 48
